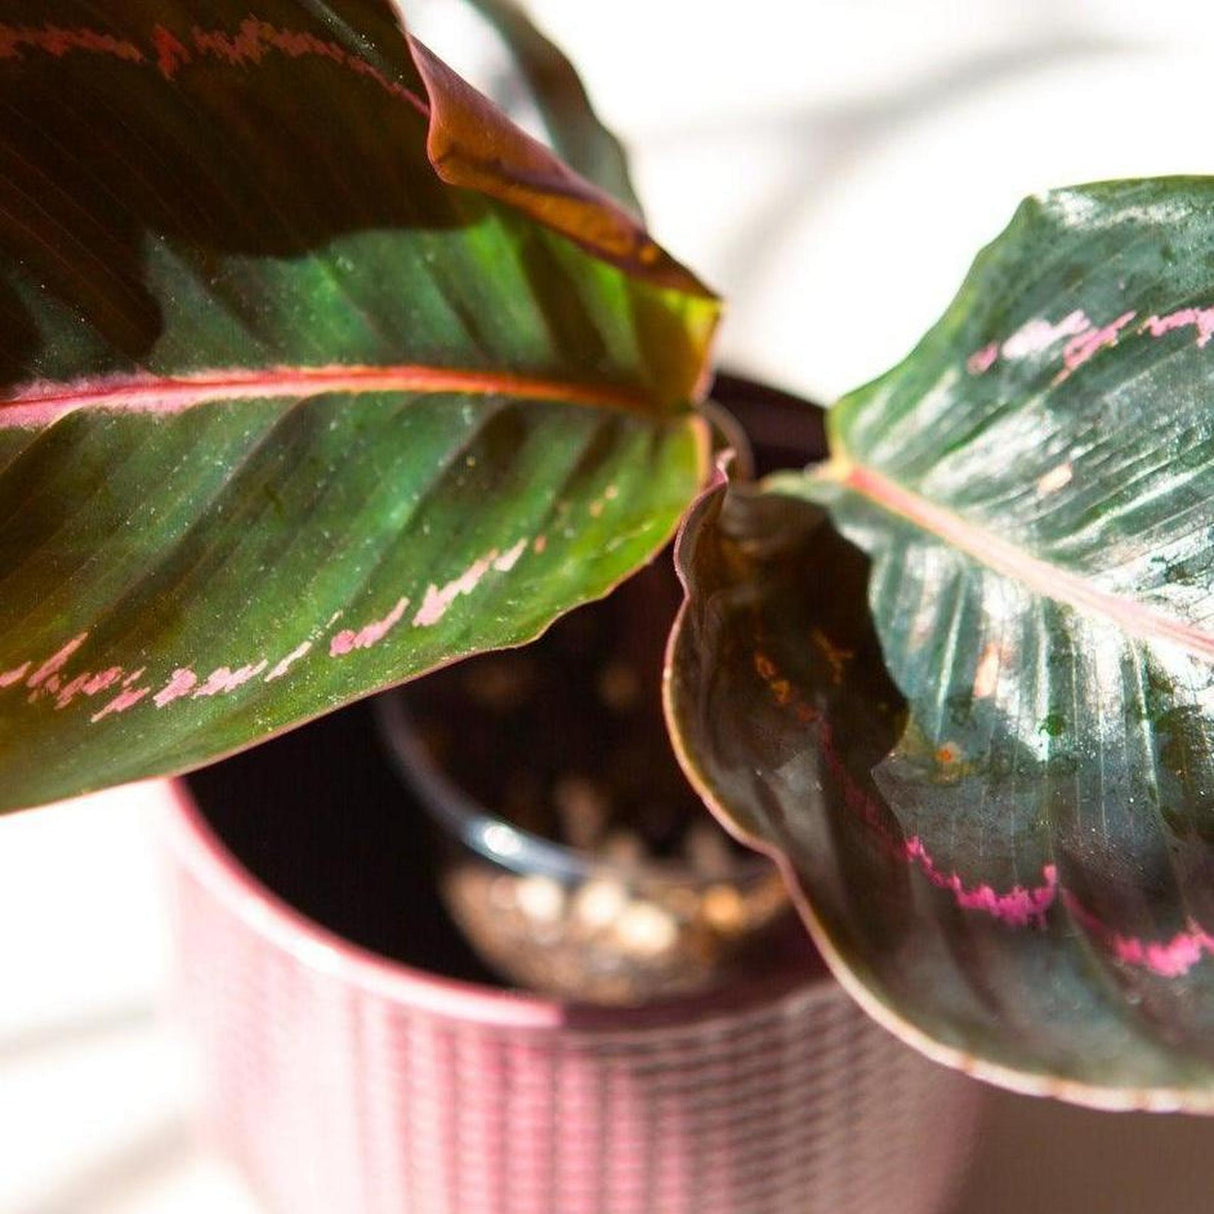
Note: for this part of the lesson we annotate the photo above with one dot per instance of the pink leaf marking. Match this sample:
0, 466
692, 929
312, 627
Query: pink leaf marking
121, 702
1085, 346
171, 52
370, 634
1202, 319
1039, 334
1019, 907
1056, 478
9, 677
87, 683
982, 360
986, 674
509, 558
102, 680
247, 47
58, 41
72, 689
256, 38
1171, 959
286, 663
435, 603
222, 679
56, 663
179, 685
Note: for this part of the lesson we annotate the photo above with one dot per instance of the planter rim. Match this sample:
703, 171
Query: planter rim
469, 821
196, 846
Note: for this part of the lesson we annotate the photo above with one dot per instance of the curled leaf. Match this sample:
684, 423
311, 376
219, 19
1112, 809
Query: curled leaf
960, 678
573, 127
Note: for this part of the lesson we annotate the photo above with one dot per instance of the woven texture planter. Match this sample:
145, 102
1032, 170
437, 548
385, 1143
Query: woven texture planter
340, 1081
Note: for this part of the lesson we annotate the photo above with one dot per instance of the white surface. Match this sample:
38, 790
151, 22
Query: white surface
79, 880
833, 165
94, 1093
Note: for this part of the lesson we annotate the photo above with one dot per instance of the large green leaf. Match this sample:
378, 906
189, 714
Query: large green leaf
315, 374
961, 676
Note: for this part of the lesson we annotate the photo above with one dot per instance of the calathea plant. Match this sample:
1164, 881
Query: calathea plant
318, 374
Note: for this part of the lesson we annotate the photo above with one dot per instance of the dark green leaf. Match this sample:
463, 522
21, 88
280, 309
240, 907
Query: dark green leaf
289, 412
961, 677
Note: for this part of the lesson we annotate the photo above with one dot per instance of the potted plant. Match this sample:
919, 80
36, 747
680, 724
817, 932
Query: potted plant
320, 375
358, 1054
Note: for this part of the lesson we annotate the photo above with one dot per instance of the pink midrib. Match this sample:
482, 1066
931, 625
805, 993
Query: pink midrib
1040, 576
41, 404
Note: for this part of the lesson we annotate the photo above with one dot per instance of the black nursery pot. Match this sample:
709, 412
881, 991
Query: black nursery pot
575, 857
664, 906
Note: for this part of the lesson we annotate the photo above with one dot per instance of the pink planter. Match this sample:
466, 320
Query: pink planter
344, 1083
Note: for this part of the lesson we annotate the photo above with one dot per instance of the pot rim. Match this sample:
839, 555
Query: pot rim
195, 846
499, 841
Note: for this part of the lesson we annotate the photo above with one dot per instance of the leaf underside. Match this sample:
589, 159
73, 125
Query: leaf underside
558, 94
960, 679
314, 374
